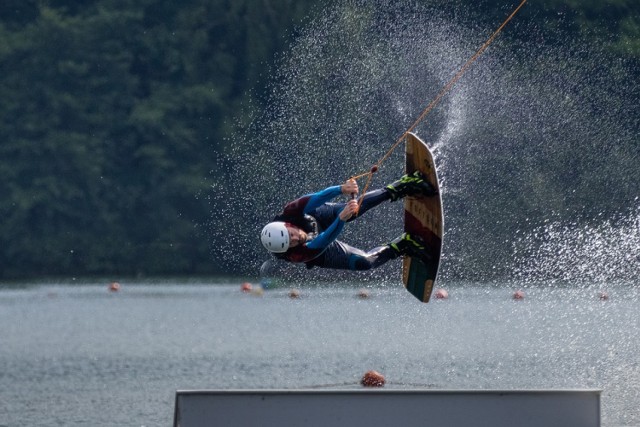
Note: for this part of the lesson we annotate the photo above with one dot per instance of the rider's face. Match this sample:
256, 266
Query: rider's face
296, 235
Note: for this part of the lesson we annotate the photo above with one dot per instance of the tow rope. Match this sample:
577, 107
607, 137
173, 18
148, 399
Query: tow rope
427, 110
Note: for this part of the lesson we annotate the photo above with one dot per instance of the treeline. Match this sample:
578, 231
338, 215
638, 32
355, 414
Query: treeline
114, 113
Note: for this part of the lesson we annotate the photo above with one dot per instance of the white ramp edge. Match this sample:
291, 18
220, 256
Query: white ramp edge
379, 407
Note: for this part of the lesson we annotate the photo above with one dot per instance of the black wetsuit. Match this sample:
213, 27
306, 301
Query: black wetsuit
320, 220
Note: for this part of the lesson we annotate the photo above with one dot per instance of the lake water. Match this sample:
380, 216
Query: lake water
79, 355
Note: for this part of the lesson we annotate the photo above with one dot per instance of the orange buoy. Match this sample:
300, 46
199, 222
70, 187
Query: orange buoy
442, 294
246, 287
114, 287
518, 295
372, 379
294, 293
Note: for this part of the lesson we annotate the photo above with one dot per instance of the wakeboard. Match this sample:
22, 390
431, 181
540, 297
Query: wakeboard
423, 217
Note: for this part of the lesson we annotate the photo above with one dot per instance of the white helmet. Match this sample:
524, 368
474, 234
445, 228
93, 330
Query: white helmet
275, 237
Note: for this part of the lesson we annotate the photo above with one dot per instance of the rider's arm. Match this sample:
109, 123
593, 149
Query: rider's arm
309, 202
323, 239
321, 197
333, 231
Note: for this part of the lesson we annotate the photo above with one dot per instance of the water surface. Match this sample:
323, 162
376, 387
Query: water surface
81, 355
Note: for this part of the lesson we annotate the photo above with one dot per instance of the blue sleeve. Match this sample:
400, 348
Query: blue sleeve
321, 197
323, 239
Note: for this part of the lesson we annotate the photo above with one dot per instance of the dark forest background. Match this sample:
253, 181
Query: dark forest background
113, 114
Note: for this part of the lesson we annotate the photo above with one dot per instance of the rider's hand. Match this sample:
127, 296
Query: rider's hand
350, 187
349, 210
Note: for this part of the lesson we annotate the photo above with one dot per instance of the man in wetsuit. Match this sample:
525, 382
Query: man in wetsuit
307, 229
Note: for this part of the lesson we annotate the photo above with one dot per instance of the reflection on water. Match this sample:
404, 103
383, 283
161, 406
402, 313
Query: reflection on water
81, 355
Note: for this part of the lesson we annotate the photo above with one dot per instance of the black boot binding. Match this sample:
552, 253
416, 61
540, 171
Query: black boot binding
411, 185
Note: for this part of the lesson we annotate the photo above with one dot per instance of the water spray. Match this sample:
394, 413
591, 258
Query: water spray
435, 101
